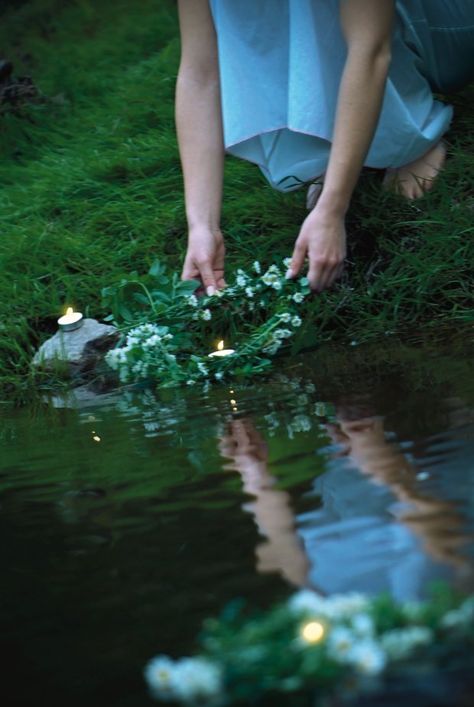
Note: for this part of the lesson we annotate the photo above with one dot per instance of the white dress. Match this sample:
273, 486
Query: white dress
281, 63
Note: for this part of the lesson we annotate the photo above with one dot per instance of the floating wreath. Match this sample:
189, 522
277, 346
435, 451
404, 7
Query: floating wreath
168, 330
314, 643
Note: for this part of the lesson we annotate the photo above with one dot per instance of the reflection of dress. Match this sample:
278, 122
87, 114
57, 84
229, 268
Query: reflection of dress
354, 541
281, 63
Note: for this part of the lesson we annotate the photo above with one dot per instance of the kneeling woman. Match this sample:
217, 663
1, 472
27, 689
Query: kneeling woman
312, 89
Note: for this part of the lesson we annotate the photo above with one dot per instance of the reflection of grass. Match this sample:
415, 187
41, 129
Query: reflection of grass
91, 188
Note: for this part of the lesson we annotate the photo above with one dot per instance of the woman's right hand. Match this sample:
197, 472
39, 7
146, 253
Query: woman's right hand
205, 259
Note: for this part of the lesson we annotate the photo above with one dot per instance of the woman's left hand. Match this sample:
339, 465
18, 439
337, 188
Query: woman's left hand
322, 239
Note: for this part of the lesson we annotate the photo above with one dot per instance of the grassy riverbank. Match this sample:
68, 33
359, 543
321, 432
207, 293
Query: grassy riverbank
91, 189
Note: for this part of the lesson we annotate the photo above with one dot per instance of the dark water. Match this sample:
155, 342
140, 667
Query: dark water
127, 519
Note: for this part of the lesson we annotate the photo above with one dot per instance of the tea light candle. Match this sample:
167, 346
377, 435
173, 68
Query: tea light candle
221, 351
71, 320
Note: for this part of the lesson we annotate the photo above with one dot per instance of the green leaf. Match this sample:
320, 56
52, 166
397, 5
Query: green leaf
187, 287
158, 271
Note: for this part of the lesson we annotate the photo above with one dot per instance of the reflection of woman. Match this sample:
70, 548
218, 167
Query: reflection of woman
373, 532
313, 89
282, 551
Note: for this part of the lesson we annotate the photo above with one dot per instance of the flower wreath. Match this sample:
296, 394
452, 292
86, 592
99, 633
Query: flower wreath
167, 330
339, 645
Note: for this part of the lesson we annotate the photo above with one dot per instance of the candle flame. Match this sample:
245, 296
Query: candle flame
313, 632
69, 310
220, 345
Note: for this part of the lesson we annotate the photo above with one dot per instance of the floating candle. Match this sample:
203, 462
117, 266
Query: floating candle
71, 320
221, 351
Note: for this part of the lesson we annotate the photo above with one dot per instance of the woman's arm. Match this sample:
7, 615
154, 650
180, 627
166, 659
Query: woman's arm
201, 146
367, 27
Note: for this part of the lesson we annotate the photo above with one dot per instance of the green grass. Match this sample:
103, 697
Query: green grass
91, 189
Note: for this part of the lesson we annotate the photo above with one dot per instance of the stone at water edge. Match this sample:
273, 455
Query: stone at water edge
84, 397
82, 348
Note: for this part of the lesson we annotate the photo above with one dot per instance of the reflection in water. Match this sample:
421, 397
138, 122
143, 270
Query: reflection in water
282, 550
118, 520
374, 531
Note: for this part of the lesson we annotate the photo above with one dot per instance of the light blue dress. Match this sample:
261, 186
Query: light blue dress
355, 541
281, 63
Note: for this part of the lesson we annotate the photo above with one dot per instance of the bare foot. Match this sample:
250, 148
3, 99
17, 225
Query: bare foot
313, 193
415, 179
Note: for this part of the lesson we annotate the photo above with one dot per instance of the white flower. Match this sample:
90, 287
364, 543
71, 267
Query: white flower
363, 625
301, 423
298, 297
203, 368
285, 317
249, 292
282, 333
336, 607
401, 642
341, 643
272, 348
454, 619
296, 321
307, 602
272, 420
272, 277
219, 375
287, 262
368, 657
113, 358
151, 426
141, 333
153, 341
196, 679
159, 674
467, 608
241, 280
257, 267
192, 300
206, 314
320, 409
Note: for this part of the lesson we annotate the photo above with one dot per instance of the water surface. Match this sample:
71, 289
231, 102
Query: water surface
128, 518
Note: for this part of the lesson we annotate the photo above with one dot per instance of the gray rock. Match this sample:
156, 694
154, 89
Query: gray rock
79, 350
84, 397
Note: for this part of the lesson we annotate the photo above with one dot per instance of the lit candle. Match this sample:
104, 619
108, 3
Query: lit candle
312, 632
71, 320
221, 351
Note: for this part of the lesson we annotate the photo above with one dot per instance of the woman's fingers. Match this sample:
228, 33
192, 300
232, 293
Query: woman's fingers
189, 272
207, 276
205, 259
297, 258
